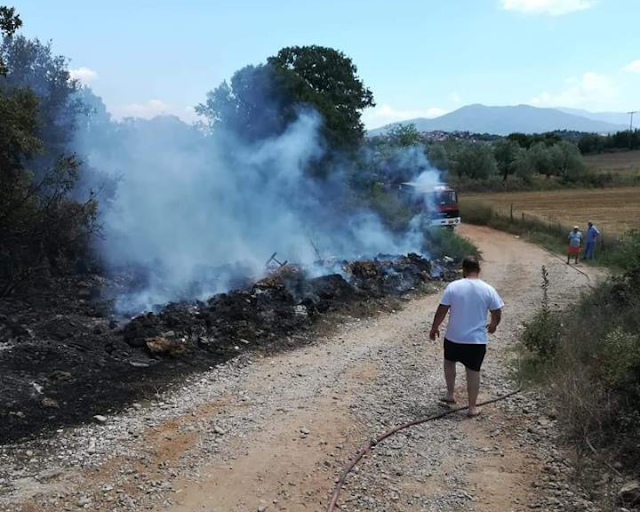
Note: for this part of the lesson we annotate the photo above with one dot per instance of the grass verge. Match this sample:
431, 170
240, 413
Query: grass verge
588, 360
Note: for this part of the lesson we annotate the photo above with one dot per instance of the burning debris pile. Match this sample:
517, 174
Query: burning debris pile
65, 358
284, 301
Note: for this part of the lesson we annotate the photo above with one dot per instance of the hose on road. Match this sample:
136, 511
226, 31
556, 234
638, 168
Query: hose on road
367, 448
574, 268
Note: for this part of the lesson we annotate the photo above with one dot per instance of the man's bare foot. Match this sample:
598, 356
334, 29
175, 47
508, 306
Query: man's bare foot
473, 412
448, 400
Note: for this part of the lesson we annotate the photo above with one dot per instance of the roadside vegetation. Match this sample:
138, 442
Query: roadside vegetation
588, 358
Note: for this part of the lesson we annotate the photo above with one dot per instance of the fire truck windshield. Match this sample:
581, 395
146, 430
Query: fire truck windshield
445, 198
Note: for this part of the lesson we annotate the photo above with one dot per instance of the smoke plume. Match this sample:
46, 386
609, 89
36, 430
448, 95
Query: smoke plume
194, 211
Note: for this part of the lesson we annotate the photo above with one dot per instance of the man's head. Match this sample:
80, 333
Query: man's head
470, 266
576, 229
590, 223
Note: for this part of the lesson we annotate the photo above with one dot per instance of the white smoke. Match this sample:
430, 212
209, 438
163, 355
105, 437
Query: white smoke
191, 209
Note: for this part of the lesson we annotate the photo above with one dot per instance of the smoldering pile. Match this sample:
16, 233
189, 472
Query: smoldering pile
284, 301
65, 358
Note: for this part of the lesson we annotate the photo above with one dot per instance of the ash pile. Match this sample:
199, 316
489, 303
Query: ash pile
287, 300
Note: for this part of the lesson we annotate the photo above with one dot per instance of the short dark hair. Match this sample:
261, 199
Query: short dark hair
470, 264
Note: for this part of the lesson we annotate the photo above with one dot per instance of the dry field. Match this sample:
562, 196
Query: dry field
614, 210
626, 162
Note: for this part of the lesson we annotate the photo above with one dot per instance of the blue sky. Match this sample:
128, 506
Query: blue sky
421, 58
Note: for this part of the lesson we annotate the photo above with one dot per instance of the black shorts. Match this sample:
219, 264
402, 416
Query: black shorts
469, 354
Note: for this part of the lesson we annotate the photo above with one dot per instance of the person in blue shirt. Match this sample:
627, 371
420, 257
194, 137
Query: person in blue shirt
575, 243
591, 239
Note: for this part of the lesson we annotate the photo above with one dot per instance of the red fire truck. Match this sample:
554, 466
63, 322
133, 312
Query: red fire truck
438, 204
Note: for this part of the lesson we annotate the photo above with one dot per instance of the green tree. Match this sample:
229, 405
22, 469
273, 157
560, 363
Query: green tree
522, 166
9, 23
438, 156
32, 65
567, 161
540, 159
475, 160
327, 79
506, 152
404, 135
41, 226
260, 101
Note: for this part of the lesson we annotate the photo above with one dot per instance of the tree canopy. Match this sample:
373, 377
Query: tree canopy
41, 225
260, 101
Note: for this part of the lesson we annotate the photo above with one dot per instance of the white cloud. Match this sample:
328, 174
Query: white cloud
145, 110
153, 108
385, 114
550, 7
591, 91
633, 67
84, 75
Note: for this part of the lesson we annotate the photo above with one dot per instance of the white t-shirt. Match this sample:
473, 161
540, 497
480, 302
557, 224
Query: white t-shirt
470, 301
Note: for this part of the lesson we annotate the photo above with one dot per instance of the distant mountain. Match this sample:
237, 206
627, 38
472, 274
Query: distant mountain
505, 120
621, 118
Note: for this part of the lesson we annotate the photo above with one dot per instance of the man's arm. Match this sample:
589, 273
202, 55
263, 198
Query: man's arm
438, 318
496, 316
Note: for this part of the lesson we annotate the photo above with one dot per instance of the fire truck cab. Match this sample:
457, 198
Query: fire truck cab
438, 204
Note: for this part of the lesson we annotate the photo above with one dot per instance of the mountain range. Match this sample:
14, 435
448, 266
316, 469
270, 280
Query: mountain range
520, 118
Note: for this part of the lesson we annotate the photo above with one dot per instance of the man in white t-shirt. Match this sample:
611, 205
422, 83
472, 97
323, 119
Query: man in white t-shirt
468, 301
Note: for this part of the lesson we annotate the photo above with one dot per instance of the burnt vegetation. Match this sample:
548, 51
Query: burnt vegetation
69, 359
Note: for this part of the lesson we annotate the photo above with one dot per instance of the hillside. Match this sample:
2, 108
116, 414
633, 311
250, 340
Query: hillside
505, 120
620, 118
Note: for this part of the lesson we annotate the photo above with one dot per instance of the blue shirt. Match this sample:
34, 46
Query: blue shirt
592, 234
575, 238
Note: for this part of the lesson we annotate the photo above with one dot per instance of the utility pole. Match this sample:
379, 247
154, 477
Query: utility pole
631, 127
631, 119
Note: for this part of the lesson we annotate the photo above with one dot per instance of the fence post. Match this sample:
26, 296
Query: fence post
511, 213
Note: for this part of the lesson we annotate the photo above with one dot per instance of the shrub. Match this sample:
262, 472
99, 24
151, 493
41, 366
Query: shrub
476, 213
590, 362
441, 242
626, 255
618, 359
542, 333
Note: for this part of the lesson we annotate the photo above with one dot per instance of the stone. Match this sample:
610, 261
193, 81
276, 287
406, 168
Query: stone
50, 403
100, 418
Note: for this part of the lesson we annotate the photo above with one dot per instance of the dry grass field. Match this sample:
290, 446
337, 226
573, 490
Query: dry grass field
626, 162
614, 210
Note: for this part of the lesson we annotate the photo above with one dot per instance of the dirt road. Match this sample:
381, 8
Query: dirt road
271, 433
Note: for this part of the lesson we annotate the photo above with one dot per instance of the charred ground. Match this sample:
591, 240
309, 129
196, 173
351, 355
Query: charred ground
66, 357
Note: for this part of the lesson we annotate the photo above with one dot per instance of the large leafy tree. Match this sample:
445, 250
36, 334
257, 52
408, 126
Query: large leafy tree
260, 101
475, 160
9, 23
506, 153
40, 224
327, 79
32, 65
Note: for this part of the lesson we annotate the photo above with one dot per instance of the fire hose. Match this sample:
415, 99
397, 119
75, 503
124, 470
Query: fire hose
367, 448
